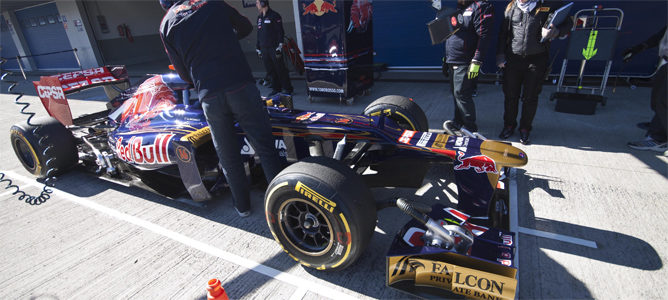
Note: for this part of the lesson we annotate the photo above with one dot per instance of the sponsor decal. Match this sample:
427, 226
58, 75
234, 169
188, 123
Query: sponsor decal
198, 137
507, 239
471, 283
304, 116
309, 193
51, 92
247, 149
413, 237
505, 262
479, 163
183, 154
424, 139
544, 9
406, 136
317, 117
319, 8
326, 90
505, 255
136, 152
75, 74
453, 21
440, 141
461, 143
343, 121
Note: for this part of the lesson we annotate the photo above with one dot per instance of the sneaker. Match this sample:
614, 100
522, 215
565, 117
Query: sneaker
648, 144
506, 132
244, 213
524, 137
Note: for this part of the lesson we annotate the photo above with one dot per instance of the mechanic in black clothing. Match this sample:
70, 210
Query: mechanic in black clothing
656, 137
525, 59
201, 40
464, 53
270, 47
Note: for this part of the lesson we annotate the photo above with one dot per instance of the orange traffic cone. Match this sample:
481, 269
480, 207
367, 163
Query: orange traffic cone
215, 291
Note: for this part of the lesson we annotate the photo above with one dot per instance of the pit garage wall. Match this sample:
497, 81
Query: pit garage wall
79, 33
143, 19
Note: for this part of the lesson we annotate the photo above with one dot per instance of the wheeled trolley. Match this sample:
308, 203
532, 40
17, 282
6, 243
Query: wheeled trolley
337, 37
592, 38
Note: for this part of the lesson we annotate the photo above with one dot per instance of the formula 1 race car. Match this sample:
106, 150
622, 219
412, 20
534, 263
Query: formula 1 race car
320, 208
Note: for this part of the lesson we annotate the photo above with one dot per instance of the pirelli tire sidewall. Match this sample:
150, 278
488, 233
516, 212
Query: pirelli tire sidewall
25, 141
400, 109
352, 220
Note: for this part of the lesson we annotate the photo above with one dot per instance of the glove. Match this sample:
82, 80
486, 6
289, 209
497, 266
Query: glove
474, 68
259, 53
279, 49
549, 33
630, 52
445, 69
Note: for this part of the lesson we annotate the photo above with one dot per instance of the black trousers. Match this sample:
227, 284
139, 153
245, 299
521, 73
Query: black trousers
657, 126
462, 93
523, 79
280, 79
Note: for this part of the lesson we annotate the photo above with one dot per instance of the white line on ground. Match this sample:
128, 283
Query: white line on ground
175, 236
514, 221
299, 294
559, 237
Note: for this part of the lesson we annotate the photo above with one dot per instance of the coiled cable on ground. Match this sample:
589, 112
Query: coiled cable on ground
50, 178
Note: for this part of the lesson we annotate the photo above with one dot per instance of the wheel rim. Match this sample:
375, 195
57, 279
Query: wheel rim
305, 227
25, 153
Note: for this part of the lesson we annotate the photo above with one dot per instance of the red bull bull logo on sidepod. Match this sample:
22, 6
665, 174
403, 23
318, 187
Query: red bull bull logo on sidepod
319, 7
479, 163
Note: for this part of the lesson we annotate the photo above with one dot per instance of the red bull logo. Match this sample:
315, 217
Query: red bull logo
319, 8
136, 152
479, 163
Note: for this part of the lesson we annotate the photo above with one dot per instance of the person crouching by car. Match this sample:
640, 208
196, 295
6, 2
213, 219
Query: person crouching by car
464, 53
270, 47
202, 41
525, 59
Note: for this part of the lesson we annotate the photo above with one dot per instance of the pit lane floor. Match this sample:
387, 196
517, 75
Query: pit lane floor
96, 239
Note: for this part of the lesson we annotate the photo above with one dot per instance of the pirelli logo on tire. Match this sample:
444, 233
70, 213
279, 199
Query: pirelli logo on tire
309, 193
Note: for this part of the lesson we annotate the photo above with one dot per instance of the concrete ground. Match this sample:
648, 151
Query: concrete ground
95, 238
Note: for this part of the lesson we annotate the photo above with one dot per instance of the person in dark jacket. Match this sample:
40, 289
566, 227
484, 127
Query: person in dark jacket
656, 137
270, 47
201, 40
464, 53
525, 59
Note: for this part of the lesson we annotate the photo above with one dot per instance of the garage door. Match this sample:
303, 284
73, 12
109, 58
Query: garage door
43, 31
8, 50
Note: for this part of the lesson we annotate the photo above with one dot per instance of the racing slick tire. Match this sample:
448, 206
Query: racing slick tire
25, 139
321, 213
401, 109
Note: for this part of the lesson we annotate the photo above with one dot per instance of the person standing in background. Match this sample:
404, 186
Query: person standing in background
656, 136
464, 53
270, 47
202, 41
525, 59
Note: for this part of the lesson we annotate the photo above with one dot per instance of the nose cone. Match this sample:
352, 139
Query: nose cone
504, 154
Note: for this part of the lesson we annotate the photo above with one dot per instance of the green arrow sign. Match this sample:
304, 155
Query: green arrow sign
589, 52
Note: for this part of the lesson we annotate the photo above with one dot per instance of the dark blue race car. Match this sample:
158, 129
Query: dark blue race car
320, 208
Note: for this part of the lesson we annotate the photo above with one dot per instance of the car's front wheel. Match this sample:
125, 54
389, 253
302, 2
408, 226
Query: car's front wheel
321, 213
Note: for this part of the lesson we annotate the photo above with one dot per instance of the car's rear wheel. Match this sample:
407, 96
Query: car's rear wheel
402, 110
44, 145
321, 213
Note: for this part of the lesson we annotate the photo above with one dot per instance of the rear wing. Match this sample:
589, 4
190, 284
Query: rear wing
52, 89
